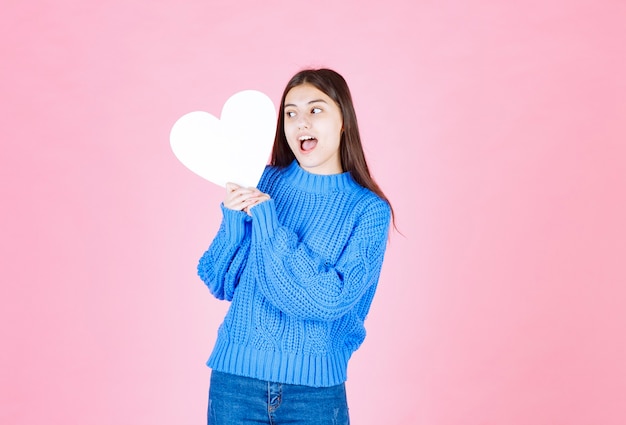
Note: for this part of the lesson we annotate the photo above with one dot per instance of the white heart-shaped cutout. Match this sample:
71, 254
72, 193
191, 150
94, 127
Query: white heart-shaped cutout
234, 148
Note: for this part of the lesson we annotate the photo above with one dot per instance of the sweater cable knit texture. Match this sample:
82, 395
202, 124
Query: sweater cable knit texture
300, 273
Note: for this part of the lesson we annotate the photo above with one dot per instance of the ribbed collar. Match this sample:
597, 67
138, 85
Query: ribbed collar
319, 183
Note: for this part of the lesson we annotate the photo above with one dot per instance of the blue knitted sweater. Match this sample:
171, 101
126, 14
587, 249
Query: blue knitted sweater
300, 273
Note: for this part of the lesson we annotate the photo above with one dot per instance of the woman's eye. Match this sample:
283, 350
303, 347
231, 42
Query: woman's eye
316, 110
290, 114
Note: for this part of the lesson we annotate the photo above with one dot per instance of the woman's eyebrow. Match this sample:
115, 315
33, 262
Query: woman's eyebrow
308, 103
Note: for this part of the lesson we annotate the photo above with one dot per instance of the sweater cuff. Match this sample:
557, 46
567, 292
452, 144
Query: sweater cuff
264, 220
234, 224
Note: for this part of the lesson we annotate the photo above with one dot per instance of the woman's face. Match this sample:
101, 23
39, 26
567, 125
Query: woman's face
313, 125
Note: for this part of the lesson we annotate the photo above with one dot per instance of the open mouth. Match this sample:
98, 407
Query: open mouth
307, 143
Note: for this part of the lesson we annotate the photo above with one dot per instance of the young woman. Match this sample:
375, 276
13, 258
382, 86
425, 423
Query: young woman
299, 258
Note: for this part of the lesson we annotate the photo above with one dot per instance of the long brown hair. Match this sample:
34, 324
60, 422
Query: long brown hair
350, 148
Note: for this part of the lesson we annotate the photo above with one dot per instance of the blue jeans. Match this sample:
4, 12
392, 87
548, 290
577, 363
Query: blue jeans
239, 400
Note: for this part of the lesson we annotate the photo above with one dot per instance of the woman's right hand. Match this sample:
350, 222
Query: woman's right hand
240, 198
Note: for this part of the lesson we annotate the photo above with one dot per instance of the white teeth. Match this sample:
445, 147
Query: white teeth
303, 138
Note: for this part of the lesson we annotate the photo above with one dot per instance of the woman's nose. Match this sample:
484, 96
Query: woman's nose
303, 122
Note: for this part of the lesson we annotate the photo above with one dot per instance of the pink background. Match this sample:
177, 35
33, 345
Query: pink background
498, 130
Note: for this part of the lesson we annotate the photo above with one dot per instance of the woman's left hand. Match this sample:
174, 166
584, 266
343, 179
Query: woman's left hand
256, 198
